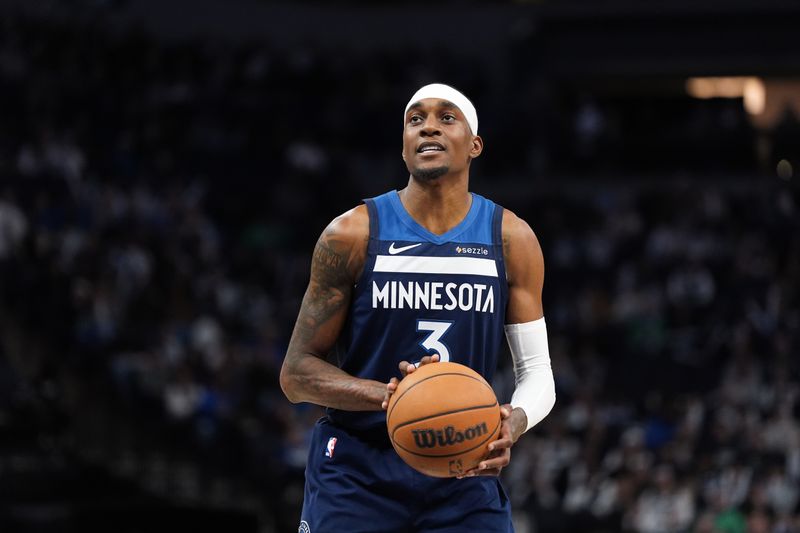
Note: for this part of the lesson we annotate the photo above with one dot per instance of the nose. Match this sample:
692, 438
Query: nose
431, 126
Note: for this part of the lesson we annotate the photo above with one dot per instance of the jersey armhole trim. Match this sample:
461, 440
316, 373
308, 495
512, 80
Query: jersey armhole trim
374, 223
497, 237
372, 242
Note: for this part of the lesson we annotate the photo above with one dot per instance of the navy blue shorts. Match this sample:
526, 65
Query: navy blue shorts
357, 484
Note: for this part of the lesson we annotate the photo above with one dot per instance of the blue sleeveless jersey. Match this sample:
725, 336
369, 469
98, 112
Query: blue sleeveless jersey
421, 294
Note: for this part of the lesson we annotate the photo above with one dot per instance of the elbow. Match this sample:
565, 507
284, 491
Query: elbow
288, 386
549, 401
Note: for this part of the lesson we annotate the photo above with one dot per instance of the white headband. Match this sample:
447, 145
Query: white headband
445, 92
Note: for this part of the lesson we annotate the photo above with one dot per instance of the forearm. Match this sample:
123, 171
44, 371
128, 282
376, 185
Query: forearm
310, 379
535, 388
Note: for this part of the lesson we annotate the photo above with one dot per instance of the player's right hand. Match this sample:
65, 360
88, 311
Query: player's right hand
390, 388
406, 368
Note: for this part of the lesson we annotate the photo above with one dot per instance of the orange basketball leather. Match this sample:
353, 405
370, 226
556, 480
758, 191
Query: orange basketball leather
442, 418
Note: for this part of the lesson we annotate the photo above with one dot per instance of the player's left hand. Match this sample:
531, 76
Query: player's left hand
512, 420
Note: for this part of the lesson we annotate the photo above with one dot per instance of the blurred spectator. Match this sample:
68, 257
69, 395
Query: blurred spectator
13, 226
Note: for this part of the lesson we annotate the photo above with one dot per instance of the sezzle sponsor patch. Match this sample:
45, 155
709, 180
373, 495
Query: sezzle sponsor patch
472, 250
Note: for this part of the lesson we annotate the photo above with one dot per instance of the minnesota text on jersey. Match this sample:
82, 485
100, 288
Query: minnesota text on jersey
434, 295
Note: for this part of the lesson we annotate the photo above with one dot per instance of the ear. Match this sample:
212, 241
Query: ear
476, 148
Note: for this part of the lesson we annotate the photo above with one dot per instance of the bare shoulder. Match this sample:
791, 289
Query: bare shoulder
517, 234
343, 243
350, 225
521, 249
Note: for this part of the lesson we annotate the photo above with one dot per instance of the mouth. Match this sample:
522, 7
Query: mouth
430, 147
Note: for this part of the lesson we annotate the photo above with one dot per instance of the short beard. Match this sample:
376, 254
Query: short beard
429, 174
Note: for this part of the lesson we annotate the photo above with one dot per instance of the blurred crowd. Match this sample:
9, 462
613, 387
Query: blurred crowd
159, 204
674, 316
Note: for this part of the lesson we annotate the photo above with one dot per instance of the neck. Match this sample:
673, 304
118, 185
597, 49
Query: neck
438, 205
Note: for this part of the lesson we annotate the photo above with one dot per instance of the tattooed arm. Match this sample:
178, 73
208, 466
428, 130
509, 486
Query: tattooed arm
306, 376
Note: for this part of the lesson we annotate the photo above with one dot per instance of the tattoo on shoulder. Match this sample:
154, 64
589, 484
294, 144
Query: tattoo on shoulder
327, 294
326, 256
330, 262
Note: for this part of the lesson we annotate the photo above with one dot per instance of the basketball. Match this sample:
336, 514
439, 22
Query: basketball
441, 419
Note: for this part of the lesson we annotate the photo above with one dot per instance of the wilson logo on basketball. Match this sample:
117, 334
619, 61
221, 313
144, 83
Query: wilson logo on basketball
447, 436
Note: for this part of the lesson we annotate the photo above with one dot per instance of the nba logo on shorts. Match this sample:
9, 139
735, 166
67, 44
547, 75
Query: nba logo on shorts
329, 448
304, 528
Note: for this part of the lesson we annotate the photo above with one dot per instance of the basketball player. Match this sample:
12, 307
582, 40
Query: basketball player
428, 273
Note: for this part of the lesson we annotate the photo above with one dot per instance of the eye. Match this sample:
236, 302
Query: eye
448, 117
415, 119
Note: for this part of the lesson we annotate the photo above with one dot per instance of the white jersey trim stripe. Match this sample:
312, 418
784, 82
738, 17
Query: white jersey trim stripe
423, 264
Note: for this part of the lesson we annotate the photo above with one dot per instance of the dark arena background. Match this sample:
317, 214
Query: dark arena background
166, 168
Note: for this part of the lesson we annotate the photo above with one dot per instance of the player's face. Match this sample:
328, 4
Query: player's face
437, 139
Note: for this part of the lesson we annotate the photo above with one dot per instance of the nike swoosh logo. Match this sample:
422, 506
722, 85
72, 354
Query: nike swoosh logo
393, 250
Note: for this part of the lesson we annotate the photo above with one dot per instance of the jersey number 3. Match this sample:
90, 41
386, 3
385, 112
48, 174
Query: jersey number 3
433, 342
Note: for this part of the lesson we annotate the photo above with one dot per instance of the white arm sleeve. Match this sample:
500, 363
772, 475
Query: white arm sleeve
535, 390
